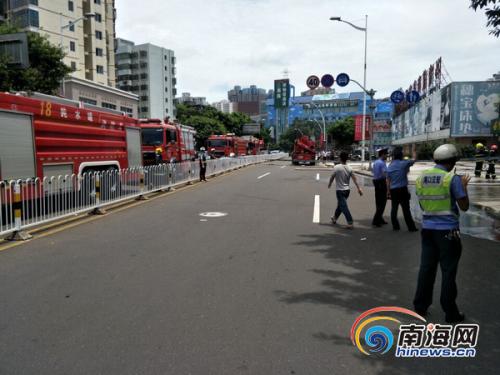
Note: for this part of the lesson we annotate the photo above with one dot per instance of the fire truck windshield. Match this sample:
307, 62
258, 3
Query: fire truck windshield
152, 137
217, 143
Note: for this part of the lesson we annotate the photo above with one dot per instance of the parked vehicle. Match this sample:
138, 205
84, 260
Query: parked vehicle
166, 142
304, 151
227, 145
44, 136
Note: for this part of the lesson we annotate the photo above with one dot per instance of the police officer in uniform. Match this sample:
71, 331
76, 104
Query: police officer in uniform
440, 191
379, 182
203, 164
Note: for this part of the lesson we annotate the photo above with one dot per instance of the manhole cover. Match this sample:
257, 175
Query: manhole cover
213, 214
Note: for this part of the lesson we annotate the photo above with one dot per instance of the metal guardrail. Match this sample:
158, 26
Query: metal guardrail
34, 201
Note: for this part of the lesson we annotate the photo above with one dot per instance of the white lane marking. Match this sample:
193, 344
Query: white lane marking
317, 177
203, 220
213, 214
264, 175
283, 166
316, 209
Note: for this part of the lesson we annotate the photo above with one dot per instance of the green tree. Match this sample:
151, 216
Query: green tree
492, 11
342, 132
46, 69
265, 135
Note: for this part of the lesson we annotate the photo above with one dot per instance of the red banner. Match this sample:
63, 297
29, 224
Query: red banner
358, 127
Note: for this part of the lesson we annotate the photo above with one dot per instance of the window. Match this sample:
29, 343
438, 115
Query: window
144, 98
98, 51
98, 17
98, 2
71, 27
73, 66
166, 89
126, 110
71, 6
88, 101
152, 136
171, 135
144, 87
173, 60
21, 3
98, 34
166, 110
108, 105
143, 53
26, 18
144, 75
144, 109
72, 46
143, 65
100, 69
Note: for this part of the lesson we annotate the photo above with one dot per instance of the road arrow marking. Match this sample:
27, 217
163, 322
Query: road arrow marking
317, 177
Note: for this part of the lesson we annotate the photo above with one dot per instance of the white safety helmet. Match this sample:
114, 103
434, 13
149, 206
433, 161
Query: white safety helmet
445, 152
202, 148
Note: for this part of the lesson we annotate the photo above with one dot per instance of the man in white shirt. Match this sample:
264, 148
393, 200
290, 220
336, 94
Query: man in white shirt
342, 173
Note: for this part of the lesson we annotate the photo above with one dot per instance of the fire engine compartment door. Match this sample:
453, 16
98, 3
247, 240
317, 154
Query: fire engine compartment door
17, 153
134, 147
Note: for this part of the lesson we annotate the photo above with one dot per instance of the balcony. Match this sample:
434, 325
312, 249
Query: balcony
122, 72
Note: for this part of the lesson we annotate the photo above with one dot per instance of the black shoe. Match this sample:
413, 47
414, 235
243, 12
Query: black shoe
377, 225
413, 230
455, 318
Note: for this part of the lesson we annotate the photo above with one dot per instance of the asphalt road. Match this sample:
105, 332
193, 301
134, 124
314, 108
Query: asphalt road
159, 289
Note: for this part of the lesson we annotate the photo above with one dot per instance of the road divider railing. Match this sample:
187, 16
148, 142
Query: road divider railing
31, 202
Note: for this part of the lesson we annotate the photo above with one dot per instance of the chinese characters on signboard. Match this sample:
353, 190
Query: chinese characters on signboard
475, 108
281, 93
358, 127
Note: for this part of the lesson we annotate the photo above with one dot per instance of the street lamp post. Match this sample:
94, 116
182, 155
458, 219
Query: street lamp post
365, 29
67, 26
324, 123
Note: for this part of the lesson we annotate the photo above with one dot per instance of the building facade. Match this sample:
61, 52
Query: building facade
331, 107
225, 106
250, 100
100, 96
186, 98
84, 28
148, 71
462, 112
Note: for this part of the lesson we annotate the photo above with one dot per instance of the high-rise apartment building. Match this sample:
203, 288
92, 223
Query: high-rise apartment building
148, 71
225, 106
84, 28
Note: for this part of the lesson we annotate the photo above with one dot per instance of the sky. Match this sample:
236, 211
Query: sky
223, 43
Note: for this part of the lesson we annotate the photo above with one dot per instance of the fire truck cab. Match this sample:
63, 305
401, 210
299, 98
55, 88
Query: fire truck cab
227, 145
166, 142
45, 136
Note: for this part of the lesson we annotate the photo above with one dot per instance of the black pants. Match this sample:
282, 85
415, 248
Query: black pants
479, 168
441, 247
203, 170
401, 196
380, 201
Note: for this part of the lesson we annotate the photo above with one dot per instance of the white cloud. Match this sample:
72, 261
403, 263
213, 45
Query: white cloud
222, 43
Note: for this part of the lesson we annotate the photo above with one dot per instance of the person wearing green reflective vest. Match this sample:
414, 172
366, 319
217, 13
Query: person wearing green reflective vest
441, 193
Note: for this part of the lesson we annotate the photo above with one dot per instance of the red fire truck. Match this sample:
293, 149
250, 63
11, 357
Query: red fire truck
227, 145
304, 151
45, 136
167, 142
255, 145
